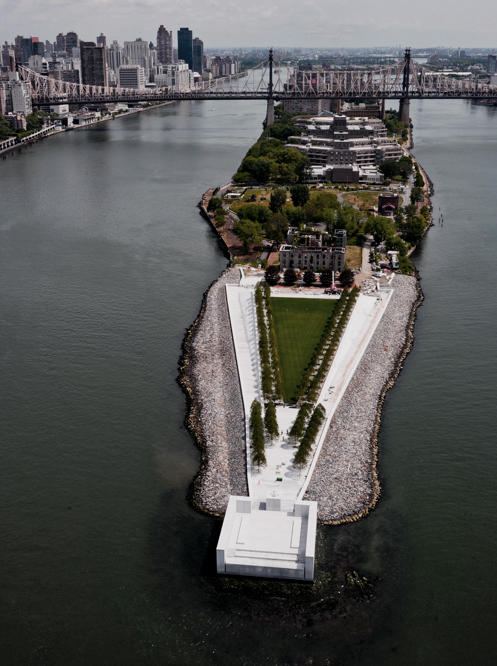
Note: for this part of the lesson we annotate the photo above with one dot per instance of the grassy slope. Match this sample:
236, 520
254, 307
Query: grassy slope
298, 326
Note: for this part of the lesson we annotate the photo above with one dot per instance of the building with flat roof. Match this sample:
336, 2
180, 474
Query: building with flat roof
164, 46
138, 53
93, 64
303, 257
176, 77
131, 76
275, 539
185, 46
491, 64
198, 56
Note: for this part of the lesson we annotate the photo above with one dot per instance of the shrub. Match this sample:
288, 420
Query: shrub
214, 204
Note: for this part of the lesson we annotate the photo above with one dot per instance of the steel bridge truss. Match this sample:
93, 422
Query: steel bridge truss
270, 80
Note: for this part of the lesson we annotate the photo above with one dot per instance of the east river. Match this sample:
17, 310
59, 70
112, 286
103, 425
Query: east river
103, 263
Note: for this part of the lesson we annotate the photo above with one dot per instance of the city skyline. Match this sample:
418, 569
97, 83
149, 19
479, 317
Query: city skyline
308, 24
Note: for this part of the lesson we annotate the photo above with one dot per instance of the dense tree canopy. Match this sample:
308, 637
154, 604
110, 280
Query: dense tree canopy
269, 160
277, 200
249, 232
402, 168
5, 129
277, 228
214, 204
380, 228
256, 213
300, 195
417, 194
296, 216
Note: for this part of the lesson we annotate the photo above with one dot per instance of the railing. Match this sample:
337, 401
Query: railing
405, 78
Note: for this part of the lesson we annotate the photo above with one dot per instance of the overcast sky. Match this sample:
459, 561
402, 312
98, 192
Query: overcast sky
323, 23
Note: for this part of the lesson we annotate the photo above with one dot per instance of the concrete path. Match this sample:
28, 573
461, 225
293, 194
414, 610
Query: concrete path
279, 476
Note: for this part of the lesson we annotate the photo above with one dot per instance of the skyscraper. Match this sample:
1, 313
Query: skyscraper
164, 46
185, 46
492, 64
115, 56
198, 56
102, 40
27, 45
38, 48
72, 42
138, 53
60, 41
93, 64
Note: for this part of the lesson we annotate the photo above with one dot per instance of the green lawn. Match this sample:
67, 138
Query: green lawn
298, 323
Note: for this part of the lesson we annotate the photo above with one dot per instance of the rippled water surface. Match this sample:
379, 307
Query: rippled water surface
103, 262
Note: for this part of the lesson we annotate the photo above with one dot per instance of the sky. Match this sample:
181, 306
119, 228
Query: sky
278, 23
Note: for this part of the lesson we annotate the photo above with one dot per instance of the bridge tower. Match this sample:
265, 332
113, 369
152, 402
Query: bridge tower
270, 100
404, 101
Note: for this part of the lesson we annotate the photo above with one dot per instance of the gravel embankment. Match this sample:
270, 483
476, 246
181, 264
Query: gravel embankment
216, 418
345, 482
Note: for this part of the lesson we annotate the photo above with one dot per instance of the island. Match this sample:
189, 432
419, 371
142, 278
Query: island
296, 344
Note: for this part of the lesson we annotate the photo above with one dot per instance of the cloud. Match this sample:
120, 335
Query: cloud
312, 23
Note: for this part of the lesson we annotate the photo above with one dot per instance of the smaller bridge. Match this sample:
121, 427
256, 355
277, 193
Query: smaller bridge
270, 81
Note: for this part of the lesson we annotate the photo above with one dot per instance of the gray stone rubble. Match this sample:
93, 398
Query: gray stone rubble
344, 482
217, 417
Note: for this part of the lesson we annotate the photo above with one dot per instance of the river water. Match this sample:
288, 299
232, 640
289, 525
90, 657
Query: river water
103, 262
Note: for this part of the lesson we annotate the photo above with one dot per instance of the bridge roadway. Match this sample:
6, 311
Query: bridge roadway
404, 81
116, 96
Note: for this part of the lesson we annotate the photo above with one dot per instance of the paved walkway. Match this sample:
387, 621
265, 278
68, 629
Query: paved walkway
279, 475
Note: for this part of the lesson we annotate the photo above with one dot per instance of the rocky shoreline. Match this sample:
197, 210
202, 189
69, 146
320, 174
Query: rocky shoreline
215, 416
345, 480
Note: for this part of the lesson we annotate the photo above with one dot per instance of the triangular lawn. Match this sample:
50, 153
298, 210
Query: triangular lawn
298, 323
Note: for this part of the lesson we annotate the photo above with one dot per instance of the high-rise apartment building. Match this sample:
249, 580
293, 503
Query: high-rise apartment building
176, 76
131, 76
164, 46
93, 64
27, 48
72, 41
20, 94
38, 49
492, 64
185, 46
115, 56
102, 40
198, 56
138, 53
60, 42
7, 54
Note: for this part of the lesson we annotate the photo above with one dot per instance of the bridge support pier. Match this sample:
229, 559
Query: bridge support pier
382, 109
270, 112
404, 111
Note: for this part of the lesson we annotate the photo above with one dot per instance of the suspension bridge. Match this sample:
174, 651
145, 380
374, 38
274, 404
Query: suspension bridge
273, 81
